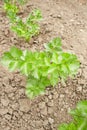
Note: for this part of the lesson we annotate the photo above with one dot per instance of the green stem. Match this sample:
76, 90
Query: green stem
83, 125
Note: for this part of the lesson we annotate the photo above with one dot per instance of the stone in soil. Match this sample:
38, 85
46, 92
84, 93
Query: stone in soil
24, 105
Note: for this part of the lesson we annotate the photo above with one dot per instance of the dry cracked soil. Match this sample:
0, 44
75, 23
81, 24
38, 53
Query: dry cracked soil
61, 18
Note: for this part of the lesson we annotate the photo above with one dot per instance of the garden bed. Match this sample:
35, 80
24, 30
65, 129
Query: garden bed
61, 18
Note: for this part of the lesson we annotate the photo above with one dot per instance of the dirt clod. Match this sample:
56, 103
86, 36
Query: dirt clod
24, 105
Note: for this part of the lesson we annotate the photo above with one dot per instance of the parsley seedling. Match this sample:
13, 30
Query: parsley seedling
25, 29
80, 118
42, 68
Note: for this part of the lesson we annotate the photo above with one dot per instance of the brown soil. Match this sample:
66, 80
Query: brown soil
68, 20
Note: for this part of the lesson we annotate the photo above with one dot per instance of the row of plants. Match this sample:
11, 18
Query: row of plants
42, 68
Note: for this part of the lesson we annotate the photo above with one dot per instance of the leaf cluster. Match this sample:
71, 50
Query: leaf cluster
25, 29
15, 1
42, 68
79, 118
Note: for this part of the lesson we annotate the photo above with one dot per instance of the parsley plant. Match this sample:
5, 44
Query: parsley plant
42, 68
14, 1
25, 29
79, 118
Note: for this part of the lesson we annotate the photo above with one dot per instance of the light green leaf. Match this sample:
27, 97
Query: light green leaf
13, 66
35, 74
25, 68
6, 59
54, 77
33, 88
15, 52
82, 106
63, 127
52, 68
54, 46
74, 66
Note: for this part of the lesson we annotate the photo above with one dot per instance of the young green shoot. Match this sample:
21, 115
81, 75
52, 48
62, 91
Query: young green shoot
42, 68
79, 118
